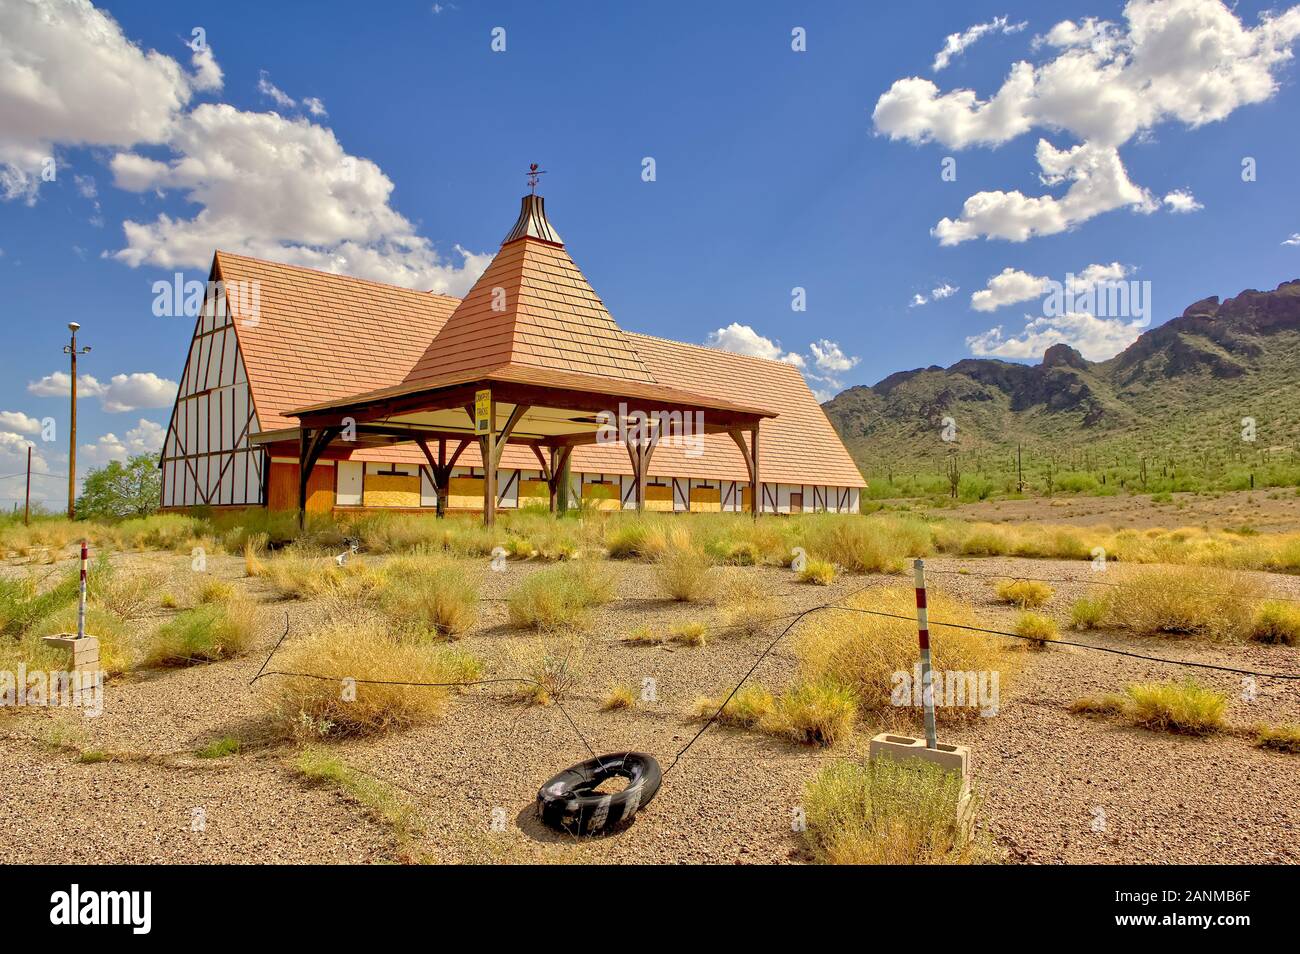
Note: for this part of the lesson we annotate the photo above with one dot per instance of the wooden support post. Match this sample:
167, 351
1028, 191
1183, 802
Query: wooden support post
491, 445
750, 453
311, 444
304, 443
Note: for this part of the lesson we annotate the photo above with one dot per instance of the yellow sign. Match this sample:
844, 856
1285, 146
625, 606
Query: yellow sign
482, 412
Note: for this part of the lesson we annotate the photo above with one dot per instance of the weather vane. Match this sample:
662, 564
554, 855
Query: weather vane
533, 173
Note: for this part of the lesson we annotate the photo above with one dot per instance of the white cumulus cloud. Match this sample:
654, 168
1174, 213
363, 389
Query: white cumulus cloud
1180, 200
68, 76
1183, 61
1095, 338
282, 189
957, 43
145, 438
122, 392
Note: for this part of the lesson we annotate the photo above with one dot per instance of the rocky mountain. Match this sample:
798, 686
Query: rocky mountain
1180, 389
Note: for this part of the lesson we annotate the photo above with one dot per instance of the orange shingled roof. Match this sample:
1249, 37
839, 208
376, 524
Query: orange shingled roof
531, 307
320, 337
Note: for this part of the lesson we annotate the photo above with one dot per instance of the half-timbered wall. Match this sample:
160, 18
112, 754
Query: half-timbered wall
207, 458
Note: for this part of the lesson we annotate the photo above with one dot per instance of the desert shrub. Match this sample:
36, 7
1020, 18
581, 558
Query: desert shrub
750, 706
560, 596
1026, 594
818, 572
625, 540
888, 812
301, 573
128, 593
1088, 612
693, 632
254, 549
216, 591
552, 669
1280, 738
1187, 707
820, 713
1202, 602
26, 599
863, 652
684, 574
1037, 629
618, 697
420, 595
204, 634
1276, 622
366, 653
742, 553
866, 544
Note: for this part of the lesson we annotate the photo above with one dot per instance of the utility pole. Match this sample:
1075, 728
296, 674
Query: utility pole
27, 502
71, 349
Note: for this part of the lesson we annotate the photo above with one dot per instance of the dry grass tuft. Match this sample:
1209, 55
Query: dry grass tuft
216, 591
1037, 629
1202, 602
818, 573
1088, 612
1279, 738
422, 596
692, 632
1276, 622
561, 596
808, 713
863, 653
127, 593
1026, 594
618, 697
814, 714
747, 709
367, 654
685, 573
204, 634
888, 813
865, 544
1187, 708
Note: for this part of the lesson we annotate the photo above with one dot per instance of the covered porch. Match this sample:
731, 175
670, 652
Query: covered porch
550, 412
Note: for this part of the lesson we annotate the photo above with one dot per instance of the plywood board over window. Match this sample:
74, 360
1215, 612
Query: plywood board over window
706, 499
465, 493
282, 494
392, 490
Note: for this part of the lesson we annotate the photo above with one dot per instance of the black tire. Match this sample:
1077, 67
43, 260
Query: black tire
568, 801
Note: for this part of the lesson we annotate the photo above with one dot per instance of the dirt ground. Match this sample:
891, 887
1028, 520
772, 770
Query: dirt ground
1056, 787
1274, 510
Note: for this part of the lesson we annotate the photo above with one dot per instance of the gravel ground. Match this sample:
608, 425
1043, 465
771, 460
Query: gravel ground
1056, 787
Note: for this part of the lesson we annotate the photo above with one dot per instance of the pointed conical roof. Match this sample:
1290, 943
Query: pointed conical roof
533, 308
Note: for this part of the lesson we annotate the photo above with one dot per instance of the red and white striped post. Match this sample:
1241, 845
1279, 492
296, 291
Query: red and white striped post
81, 603
923, 637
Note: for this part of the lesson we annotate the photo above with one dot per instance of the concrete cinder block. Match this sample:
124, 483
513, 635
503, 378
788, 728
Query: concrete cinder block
950, 758
83, 653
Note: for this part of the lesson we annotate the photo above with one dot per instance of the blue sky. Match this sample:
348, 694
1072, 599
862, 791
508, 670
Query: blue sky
775, 169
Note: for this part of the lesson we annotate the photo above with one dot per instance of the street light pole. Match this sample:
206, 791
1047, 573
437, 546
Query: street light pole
71, 349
